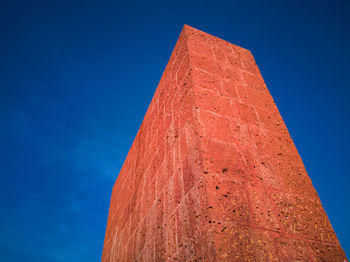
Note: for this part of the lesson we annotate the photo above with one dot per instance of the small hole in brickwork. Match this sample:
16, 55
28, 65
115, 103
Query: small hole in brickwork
217, 187
224, 170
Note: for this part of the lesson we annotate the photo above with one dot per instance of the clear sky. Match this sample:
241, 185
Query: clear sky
76, 78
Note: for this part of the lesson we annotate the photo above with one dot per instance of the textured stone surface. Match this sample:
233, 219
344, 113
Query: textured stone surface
213, 174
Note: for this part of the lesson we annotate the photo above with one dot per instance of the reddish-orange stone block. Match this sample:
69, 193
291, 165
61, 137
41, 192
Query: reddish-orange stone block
213, 174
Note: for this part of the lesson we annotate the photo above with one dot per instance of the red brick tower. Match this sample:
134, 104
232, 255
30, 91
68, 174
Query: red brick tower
213, 174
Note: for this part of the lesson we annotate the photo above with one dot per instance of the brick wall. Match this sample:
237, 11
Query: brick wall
213, 174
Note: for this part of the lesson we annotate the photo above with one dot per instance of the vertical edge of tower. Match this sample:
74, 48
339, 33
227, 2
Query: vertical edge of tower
151, 195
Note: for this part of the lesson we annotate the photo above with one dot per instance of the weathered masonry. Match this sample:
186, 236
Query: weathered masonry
213, 174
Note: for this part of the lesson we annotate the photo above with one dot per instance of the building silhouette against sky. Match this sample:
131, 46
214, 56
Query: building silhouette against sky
213, 174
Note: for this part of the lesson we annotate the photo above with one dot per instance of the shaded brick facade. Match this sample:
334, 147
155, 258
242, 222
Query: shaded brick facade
213, 174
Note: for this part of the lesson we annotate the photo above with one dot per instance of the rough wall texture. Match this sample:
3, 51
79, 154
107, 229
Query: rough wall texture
213, 174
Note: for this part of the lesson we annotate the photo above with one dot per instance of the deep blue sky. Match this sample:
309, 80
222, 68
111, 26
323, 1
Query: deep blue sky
76, 78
